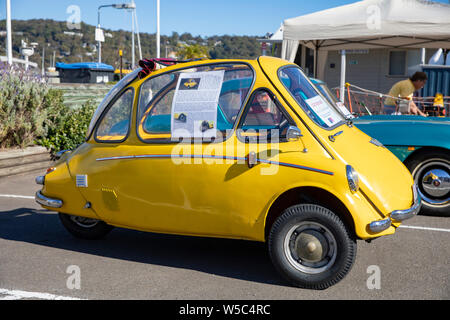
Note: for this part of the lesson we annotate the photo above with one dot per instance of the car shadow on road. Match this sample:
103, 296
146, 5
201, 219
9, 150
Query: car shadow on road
239, 259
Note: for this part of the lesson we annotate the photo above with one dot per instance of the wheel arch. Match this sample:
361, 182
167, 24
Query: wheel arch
312, 195
424, 150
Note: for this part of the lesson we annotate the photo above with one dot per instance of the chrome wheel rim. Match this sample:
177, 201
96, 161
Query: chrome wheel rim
84, 222
433, 180
310, 247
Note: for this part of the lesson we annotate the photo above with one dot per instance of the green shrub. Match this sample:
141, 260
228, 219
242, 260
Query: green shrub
32, 113
65, 128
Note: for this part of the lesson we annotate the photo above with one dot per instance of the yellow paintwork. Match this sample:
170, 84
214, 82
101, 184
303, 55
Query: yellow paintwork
222, 197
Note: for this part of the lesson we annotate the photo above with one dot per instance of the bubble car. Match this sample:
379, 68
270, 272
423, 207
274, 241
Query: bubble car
280, 166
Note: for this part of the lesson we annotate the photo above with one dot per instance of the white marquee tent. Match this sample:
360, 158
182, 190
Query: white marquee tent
368, 24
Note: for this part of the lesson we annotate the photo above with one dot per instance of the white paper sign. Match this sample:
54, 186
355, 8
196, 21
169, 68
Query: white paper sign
194, 106
326, 113
99, 36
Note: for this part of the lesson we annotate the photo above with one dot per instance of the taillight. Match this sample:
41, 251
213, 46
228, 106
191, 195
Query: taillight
51, 169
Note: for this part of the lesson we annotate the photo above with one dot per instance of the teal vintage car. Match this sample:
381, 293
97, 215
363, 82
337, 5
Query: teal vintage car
421, 143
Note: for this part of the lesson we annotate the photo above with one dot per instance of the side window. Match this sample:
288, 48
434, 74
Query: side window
115, 123
155, 105
199, 102
158, 119
263, 118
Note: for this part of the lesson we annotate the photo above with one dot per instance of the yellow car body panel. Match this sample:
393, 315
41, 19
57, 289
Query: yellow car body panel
60, 182
351, 145
151, 186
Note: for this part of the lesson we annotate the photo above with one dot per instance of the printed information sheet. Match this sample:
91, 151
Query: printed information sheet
325, 112
194, 107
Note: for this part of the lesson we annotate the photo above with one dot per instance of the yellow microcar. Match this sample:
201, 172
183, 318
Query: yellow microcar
280, 165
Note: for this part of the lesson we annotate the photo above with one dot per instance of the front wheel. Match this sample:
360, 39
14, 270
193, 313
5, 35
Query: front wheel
311, 247
85, 228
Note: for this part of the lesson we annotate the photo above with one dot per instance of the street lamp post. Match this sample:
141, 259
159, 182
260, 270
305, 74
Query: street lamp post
131, 6
158, 41
8, 32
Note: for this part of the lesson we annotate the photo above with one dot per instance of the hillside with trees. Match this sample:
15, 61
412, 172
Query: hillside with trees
79, 44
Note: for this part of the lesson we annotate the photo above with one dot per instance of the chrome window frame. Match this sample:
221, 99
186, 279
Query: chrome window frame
110, 96
106, 110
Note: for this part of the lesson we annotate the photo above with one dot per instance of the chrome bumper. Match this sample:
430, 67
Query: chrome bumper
48, 202
398, 215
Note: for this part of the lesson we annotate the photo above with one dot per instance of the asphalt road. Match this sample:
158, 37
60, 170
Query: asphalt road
39, 259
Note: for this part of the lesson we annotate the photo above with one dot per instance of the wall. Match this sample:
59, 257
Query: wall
368, 70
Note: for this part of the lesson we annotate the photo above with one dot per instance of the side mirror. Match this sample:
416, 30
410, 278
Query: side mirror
293, 133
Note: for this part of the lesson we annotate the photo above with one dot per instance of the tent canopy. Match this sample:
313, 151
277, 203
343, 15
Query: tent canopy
365, 25
373, 24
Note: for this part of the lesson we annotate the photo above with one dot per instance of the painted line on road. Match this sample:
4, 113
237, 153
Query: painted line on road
15, 196
424, 228
18, 294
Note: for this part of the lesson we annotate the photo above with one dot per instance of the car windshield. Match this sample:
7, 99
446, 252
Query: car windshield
334, 100
109, 96
310, 99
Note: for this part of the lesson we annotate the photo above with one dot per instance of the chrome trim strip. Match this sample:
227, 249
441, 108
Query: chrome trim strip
401, 215
285, 164
48, 202
59, 154
168, 156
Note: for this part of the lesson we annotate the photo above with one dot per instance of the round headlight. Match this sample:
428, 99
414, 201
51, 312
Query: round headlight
352, 178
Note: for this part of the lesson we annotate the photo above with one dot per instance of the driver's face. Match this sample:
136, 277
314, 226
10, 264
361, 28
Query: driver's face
420, 84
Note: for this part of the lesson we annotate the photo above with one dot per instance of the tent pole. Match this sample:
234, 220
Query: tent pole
316, 57
422, 56
342, 87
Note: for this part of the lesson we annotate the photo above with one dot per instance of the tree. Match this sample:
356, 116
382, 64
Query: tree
193, 51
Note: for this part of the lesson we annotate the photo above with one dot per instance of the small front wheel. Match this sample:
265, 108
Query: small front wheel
85, 228
311, 247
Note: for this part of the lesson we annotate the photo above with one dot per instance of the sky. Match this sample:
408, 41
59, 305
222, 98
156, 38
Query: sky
198, 17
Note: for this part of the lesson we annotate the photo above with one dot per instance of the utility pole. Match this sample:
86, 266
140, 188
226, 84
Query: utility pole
132, 42
8, 32
158, 36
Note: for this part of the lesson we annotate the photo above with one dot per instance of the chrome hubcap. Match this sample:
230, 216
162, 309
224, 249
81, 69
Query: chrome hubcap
433, 180
84, 222
310, 247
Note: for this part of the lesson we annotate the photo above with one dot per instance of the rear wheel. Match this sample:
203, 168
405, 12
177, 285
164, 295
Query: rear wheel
85, 228
431, 173
311, 247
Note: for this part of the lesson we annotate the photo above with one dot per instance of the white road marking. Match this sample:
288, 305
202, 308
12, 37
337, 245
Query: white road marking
425, 228
15, 196
18, 294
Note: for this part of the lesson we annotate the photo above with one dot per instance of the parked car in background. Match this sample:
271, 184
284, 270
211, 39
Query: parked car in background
276, 164
421, 143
